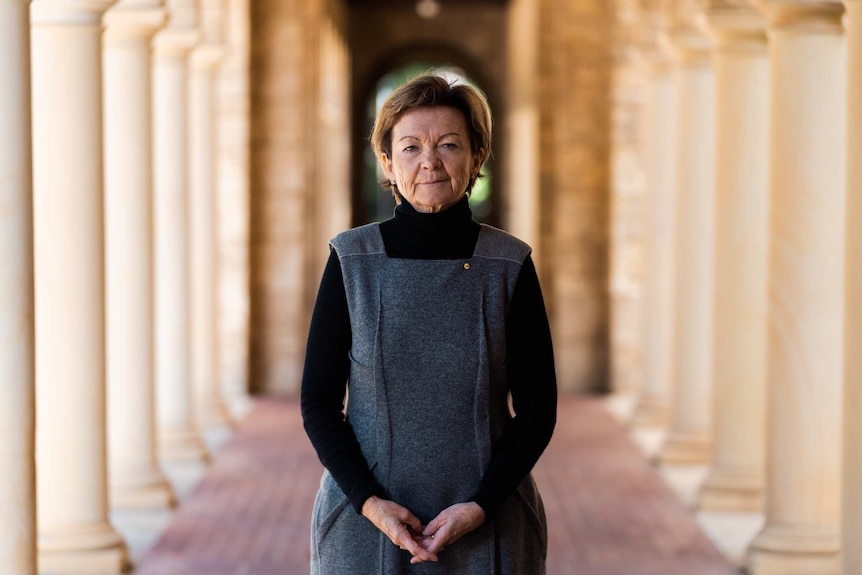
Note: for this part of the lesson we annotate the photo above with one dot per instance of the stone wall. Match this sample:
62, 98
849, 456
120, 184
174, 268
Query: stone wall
286, 213
575, 67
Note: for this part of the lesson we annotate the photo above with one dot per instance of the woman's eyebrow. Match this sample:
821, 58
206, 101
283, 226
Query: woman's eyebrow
440, 138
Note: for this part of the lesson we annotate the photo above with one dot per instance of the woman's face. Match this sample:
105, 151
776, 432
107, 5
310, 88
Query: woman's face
432, 161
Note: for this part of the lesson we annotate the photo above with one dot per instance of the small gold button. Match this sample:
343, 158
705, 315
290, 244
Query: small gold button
466, 266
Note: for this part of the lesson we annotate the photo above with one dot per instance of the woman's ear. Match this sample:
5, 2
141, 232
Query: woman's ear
386, 164
478, 159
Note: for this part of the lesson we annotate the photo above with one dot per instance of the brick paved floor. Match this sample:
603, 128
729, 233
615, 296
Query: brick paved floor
609, 512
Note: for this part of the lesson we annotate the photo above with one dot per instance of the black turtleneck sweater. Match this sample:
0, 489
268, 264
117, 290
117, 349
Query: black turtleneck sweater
451, 234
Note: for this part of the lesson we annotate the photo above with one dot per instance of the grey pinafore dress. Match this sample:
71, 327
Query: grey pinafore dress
427, 400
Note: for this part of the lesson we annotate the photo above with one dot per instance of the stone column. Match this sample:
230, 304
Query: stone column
209, 407
691, 415
17, 378
234, 198
653, 409
522, 124
852, 506
178, 437
806, 277
735, 482
134, 477
74, 532
627, 210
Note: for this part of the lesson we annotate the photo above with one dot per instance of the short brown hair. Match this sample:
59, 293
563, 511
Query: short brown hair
433, 90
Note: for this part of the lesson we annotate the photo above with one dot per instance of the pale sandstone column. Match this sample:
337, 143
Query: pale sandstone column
806, 297
332, 196
736, 479
523, 208
74, 533
17, 379
627, 209
660, 127
178, 437
209, 408
134, 477
234, 197
852, 506
689, 438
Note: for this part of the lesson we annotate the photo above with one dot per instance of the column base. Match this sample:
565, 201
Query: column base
154, 493
731, 492
238, 406
84, 551
651, 413
213, 414
182, 444
621, 405
686, 449
798, 550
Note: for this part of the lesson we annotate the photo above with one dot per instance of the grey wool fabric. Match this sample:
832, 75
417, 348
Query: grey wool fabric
428, 398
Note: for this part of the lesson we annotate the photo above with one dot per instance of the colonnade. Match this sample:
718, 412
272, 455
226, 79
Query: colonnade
109, 322
762, 378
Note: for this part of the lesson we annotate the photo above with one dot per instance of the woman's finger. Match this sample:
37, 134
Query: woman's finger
404, 539
396, 522
451, 524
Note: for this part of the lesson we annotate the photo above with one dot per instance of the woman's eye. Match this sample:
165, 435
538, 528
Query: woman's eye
450, 145
410, 148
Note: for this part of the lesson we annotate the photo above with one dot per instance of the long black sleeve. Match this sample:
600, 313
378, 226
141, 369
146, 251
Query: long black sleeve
324, 383
533, 385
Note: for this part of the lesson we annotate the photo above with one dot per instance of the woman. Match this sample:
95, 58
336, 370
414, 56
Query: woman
434, 320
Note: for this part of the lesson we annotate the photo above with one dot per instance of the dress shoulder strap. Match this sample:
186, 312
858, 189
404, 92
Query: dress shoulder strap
497, 244
364, 240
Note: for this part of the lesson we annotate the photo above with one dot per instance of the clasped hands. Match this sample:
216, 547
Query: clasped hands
423, 542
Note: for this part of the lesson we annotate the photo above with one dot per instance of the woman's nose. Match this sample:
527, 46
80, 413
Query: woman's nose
430, 159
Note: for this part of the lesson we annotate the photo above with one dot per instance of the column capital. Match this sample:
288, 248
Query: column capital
803, 15
178, 42
689, 45
182, 14
654, 48
737, 28
72, 12
212, 20
686, 30
131, 18
181, 33
207, 55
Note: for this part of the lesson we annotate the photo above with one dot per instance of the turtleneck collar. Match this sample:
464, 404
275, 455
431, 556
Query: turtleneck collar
450, 234
457, 214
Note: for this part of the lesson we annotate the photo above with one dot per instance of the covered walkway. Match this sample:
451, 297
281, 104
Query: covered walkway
609, 511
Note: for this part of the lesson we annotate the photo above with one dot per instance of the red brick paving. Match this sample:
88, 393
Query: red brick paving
609, 512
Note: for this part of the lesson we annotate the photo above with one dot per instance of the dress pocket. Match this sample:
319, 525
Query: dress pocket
528, 496
357, 361
329, 505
